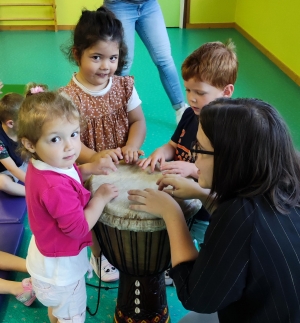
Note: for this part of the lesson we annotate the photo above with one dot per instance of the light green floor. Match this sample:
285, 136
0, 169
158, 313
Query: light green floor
35, 56
27, 56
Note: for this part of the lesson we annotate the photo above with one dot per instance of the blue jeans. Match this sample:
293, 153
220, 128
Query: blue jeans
147, 19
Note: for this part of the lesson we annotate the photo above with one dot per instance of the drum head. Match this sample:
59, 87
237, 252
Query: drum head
117, 213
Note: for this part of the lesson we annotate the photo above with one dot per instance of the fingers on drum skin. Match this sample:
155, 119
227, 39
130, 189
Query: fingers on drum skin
141, 161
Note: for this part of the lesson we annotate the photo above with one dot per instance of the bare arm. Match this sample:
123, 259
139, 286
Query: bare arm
180, 167
11, 166
185, 188
161, 154
12, 262
182, 246
99, 167
85, 155
88, 155
102, 196
136, 135
163, 205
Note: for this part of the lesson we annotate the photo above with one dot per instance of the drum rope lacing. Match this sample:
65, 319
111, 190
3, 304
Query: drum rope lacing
99, 286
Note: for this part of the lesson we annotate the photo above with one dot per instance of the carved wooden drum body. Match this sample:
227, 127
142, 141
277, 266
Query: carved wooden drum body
137, 244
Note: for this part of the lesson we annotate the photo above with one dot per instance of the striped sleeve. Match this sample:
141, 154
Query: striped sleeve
218, 276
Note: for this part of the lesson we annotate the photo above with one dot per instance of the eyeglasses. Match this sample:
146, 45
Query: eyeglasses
195, 149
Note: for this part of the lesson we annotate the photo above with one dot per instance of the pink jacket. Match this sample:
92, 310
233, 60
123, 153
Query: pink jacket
55, 205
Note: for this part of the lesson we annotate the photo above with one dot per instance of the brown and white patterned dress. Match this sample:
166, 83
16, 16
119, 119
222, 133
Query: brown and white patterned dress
105, 116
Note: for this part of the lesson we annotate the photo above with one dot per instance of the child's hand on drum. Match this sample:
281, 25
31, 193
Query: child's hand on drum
153, 201
102, 166
179, 167
104, 194
114, 154
131, 154
156, 157
182, 188
107, 192
99, 167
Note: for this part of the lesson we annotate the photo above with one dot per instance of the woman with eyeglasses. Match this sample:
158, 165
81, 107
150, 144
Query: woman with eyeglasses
248, 268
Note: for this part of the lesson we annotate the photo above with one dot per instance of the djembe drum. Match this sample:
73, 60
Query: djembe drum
137, 244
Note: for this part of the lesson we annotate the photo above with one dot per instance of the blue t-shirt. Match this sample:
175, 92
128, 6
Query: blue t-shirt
8, 148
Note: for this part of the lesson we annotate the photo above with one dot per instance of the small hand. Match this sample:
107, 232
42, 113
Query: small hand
107, 192
153, 201
114, 154
131, 154
102, 166
182, 188
179, 167
156, 157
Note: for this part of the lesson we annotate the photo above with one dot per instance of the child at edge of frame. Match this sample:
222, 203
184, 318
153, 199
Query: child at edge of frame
60, 211
209, 73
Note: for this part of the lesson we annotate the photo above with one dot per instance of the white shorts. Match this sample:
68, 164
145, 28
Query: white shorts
68, 303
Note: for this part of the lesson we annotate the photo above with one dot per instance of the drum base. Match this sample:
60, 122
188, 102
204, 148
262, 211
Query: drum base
142, 299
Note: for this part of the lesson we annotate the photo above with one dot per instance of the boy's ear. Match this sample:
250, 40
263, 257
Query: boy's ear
9, 123
228, 90
28, 145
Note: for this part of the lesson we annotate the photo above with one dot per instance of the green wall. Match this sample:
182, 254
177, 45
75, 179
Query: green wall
68, 11
212, 11
274, 24
171, 11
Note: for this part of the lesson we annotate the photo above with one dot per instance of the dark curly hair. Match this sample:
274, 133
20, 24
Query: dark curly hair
94, 26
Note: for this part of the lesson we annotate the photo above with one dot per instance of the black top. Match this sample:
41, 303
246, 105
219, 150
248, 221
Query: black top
11, 147
185, 134
248, 268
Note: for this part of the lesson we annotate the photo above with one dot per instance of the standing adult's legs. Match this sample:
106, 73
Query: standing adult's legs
152, 30
127, 13
148, 21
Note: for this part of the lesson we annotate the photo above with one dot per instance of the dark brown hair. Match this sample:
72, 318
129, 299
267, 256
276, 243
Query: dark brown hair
92, 27
254, 153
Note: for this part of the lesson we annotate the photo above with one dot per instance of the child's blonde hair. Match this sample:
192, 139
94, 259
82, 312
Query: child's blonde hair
38, 109
214, 63
9, 106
